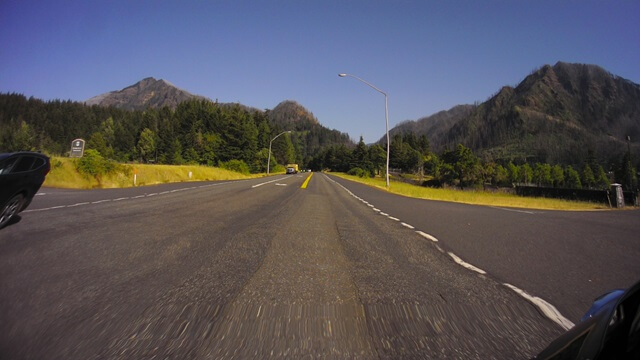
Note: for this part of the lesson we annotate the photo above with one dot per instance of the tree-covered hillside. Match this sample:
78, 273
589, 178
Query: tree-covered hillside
308, 135
554, 115
197, 131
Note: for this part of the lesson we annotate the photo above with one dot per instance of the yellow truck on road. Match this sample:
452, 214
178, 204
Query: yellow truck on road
292, 168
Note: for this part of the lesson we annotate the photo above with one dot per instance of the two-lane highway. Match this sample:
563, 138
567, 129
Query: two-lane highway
245, 269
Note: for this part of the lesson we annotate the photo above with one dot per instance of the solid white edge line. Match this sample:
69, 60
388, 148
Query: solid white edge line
466, 264
407, 225
430, 237
547, 309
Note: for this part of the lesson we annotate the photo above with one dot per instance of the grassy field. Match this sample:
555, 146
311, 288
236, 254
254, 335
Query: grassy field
475, 197
64, 175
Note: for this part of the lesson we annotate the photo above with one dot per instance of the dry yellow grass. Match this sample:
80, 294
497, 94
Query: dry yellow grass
64, 175
475, 197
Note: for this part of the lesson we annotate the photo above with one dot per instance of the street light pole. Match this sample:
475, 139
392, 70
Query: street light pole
270, 142
386, 115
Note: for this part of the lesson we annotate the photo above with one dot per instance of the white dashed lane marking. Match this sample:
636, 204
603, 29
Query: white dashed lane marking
407, 225
267, 182
547, 309
78, 204
425, 235
100, 201
466, 264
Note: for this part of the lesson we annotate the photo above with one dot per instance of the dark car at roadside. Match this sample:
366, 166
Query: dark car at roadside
609, 330
21, 175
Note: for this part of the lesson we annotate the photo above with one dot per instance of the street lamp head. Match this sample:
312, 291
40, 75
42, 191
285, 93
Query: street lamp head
342, 75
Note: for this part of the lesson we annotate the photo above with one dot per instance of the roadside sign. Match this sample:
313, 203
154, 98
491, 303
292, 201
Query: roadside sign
77, 148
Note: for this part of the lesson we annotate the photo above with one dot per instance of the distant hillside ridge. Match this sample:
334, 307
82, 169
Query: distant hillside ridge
292, 116
147, 93
309, 135
556, 114
434, 126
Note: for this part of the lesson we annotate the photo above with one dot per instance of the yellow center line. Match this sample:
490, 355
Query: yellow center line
306, 182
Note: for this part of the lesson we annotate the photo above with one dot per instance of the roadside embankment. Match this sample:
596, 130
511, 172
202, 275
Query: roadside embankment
475, 197
65, 174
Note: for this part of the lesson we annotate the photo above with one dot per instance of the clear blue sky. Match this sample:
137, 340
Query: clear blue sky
427, 55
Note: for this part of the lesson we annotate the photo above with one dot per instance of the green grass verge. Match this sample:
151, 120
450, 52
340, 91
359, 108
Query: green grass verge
65, 175
475, 197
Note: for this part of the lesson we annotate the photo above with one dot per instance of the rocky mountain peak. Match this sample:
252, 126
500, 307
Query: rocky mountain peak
146, 93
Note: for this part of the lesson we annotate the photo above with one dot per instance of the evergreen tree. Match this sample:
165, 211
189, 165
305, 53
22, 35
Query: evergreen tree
588, 179
360, 157
147, 145
97, 142
378, 157
501, 177
602, 180
542, 174
525, 173
514, 174
24, 138
572, 178
557, 176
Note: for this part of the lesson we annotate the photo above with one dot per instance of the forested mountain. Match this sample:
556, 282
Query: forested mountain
146, 93
309, 136
196, 131
434, 126
291, 115
556, 115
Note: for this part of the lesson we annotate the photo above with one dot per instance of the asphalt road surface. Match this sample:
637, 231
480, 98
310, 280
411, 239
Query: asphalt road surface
265, 269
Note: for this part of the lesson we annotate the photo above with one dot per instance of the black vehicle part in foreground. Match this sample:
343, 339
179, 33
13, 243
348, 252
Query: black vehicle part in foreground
21, 175
609, 330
